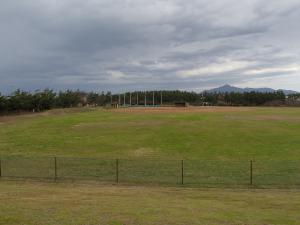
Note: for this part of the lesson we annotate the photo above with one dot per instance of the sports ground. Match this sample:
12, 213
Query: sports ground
172, 133
195, 133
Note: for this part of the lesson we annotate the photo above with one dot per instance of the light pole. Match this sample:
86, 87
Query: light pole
153, 99
124, 98
145, 98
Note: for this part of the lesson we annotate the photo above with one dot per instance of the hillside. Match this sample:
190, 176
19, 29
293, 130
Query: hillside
227, 89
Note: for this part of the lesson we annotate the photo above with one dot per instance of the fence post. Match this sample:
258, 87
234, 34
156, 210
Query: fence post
181, 171
251, 172
0, 168
117, 170
55, 169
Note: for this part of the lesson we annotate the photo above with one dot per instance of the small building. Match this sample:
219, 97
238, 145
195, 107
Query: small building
206, 104
113, 105
181, 104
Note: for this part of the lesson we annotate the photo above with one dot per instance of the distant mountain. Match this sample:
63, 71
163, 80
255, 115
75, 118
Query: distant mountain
288, 92
228, 88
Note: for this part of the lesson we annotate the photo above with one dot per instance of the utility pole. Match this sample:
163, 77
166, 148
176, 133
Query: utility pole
145, 98
130, 98
153, 99
119, 99
124, 99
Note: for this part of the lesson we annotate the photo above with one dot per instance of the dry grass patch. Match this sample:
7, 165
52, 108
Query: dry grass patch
64, 203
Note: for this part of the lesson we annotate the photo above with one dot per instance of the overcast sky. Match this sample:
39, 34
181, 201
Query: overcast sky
123, 45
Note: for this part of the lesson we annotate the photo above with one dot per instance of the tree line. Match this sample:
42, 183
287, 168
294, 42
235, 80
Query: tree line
22, 101
246, 98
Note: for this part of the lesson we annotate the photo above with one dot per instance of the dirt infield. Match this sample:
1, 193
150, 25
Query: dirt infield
191, 109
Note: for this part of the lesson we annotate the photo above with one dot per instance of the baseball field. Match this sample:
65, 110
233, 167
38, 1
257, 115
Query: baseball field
204, 138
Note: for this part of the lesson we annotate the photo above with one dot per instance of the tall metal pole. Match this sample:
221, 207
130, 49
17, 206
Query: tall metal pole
153, 99
130, 98
161, 100
145, 98
119, 99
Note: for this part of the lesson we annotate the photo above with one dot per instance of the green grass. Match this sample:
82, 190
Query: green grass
251, 133
34, 203
216, 146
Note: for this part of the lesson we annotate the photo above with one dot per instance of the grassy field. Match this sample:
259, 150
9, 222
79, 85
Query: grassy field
216, 144
34, 203
202, 133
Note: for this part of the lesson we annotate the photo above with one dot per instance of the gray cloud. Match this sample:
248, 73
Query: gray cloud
125, 45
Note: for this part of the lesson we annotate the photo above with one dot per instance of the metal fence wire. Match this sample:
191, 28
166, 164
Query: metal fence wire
156, 171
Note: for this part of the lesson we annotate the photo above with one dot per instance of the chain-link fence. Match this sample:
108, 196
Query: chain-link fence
211, 173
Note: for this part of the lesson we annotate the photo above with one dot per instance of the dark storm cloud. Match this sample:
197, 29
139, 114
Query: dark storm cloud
125, 45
